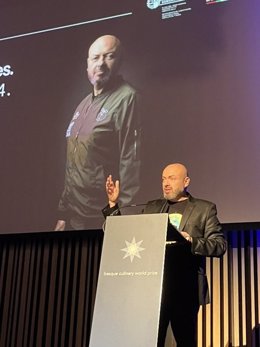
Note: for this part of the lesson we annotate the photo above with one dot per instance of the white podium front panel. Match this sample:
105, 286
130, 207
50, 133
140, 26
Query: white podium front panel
129, 289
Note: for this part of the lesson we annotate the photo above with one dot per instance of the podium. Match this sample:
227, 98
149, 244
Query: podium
128, 298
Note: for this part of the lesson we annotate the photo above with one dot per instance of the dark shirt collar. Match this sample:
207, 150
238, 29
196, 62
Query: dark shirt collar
112, 84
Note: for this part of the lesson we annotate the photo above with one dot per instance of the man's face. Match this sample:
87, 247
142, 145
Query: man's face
103, 60
174, 182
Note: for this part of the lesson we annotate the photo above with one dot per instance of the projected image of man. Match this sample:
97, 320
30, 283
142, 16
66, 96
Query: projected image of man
102, 137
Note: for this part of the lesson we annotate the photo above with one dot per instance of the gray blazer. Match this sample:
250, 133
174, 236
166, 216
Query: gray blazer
200, 221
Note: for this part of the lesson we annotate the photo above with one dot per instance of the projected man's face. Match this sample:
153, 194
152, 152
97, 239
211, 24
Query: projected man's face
174, 182
103, 60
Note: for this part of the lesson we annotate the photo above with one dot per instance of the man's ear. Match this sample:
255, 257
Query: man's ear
186, 181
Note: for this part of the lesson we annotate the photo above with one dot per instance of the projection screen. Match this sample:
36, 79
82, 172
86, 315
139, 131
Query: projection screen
195, 65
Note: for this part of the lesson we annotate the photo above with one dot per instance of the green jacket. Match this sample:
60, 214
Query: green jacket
103, 138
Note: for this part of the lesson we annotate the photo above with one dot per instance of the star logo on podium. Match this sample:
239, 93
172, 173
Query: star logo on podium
132, 249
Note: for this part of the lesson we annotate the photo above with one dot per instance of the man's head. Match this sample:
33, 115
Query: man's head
104, 58
175, 181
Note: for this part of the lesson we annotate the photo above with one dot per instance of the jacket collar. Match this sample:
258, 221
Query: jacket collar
187, 212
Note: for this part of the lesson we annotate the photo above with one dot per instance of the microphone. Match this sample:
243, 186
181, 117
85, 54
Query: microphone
119, 209
126, 206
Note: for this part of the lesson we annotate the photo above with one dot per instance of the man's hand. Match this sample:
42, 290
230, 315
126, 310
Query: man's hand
186, 236
60, 226
112, 189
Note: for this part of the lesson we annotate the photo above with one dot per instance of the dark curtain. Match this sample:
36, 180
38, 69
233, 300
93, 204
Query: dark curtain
48, 284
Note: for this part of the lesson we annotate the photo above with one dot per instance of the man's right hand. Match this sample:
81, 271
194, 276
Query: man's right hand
60, 226
112, 189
